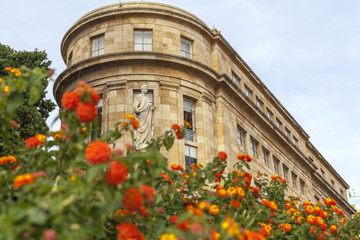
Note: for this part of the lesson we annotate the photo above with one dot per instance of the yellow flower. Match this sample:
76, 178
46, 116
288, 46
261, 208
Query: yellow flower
214, 210
169, 236
231, 191
6, 88
1, 79
72, 178
129, 116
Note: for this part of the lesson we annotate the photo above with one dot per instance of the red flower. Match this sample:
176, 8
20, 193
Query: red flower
235, 204
241, 157
176, 127
148, 194
174, 218
222, 156
86, 112
133, 199
14, 124
49, 234
178, 134
97, 152
116, 174
135, 123
248, 158
32, 142
256, 192
70, 100
128, 231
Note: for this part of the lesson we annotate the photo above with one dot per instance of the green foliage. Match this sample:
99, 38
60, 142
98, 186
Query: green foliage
32, 109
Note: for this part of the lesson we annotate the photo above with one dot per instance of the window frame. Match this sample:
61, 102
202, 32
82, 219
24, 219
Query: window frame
98, 50
248, 92
184, 53
190, 159
269, 114
259, 104
265, 156
286, 173
99, 108
287, 132
254, 147
242, 138
142, 43
235, 79
302, 186
294, 180
190, 132
278, 123
276, 163
295, 141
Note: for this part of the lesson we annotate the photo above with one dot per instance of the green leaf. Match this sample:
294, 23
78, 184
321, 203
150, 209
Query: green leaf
14, 100
93, 171
36, 216
168, 142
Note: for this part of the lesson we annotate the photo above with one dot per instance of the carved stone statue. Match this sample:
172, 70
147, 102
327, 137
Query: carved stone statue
144, 112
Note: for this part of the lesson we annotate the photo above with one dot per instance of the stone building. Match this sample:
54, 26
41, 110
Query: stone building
193, 74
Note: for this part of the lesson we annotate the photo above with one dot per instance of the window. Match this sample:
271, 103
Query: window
254, 145
276, 166
70, 59
287, 133
278, 123
186, 48
269, 114
258, 185
322, 173
302, 187
96, 131
241, 133
295, 141
265, 157
142, 40
259, 104
247, 91
341, 192
286, 173
189, 116
97, 45
332, 183
235, 79
294, 180
190, 155
317, 199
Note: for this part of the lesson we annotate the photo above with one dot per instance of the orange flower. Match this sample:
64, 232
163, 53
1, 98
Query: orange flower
148, 194
333, 228
133, 199
310, 219
86, 112
241, 157
240, 192
70, 100
256, 192
273, 177
214, 210
166, 177
97, 152
235, 204
318, 221
128, 231
231, 191
23, 179
329, 201
116, 174
222, 156
8, 159
323, 214
273, 206
286, 227
135, 123
299, 220
221, 193
41, 137
32, 142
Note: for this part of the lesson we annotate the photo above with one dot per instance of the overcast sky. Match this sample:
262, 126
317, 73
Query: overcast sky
307, 53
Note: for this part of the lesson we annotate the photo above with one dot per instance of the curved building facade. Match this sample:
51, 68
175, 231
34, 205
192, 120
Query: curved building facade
192, 74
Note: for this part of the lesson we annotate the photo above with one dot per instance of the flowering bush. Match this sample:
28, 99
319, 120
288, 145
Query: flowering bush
60, 186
